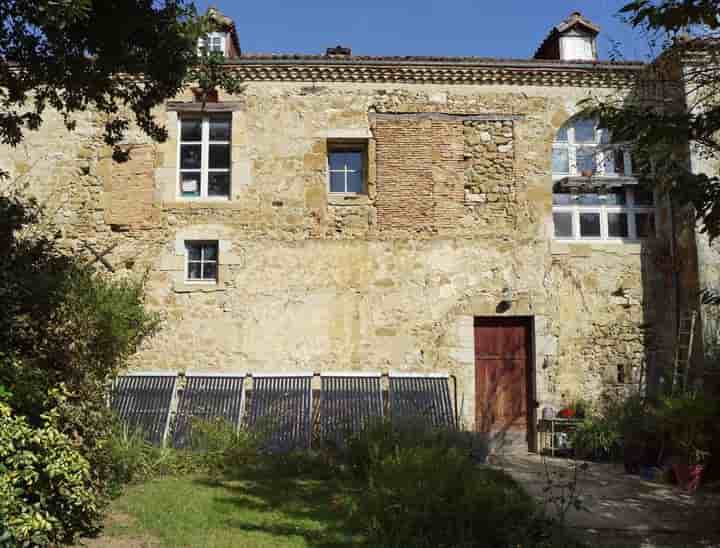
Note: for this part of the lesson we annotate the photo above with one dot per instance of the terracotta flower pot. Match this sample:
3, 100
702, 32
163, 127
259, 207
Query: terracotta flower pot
688, 476
210, 95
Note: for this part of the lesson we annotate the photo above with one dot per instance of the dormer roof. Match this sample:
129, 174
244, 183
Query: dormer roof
222, 23
550, 48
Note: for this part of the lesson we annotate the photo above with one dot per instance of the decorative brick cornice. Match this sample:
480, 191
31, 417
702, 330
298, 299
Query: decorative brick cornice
449, 71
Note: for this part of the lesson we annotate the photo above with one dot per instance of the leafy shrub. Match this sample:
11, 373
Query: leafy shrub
384, 437
133, 458
433, 497
65, 332
219, 448
47, 491
689, 422
596, 438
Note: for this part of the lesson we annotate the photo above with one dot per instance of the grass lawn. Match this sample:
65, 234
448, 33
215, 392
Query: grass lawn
265, 511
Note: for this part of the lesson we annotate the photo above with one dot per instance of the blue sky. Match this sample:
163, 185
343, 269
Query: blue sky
486, 28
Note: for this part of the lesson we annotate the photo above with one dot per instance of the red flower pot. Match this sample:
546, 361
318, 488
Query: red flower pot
688, 477
566, 413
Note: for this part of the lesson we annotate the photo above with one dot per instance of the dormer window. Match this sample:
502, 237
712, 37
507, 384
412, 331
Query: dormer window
213, 42
577, 47
575, 39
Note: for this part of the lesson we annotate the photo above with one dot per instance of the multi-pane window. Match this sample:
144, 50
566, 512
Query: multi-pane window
581, 149
212, 42
346, 167
202, 261
205, 156
618, 214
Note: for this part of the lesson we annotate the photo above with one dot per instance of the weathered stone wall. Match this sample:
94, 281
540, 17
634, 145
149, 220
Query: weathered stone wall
456, 218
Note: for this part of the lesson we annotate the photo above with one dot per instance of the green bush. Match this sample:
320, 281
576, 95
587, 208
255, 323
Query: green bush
433, 497
689, 423
65, 332
220, 449
384, 437
47, 492
596, 438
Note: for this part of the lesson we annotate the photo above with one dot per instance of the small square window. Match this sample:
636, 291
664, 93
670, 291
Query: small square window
212, 42
346, 168
202, 261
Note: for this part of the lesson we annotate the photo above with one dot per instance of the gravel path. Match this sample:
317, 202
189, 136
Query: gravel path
625, 510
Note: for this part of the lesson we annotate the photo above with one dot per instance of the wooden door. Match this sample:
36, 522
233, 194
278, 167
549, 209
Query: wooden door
502, 367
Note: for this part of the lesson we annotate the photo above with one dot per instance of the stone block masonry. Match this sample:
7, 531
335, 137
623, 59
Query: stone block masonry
457, 215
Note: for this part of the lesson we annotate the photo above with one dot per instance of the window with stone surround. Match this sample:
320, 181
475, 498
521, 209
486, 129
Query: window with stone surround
347, 163
204, 152
595, 196
201, 264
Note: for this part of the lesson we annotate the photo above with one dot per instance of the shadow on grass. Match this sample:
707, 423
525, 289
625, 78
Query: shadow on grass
310, 505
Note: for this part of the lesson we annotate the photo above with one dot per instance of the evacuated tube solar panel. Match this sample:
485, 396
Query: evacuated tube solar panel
421, 398
280, 411
207, 398
143, 403
348, 404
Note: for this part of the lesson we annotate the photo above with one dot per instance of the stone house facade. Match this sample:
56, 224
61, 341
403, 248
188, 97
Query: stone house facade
386, 214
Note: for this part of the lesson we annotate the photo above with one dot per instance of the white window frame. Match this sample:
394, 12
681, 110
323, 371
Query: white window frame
202, 261
204, 170
348, 146
629, 208
208, 39
602, 150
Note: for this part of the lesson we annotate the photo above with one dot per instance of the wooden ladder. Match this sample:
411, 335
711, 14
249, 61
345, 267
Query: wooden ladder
683, 350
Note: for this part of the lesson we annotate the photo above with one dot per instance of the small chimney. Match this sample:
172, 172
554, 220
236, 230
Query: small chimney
338, 51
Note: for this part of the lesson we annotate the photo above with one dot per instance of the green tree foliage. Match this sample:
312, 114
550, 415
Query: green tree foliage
65, 332
676, 105
119, 58
116, 57
69, 323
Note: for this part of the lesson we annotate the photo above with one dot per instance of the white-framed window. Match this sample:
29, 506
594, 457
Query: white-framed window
581, 149
577, 47
201, 261
204, 151
616, 214
213, 42
595, 196
346, 168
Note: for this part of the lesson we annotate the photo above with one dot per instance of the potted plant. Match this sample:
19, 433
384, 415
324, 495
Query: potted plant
580, 408
687, 420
